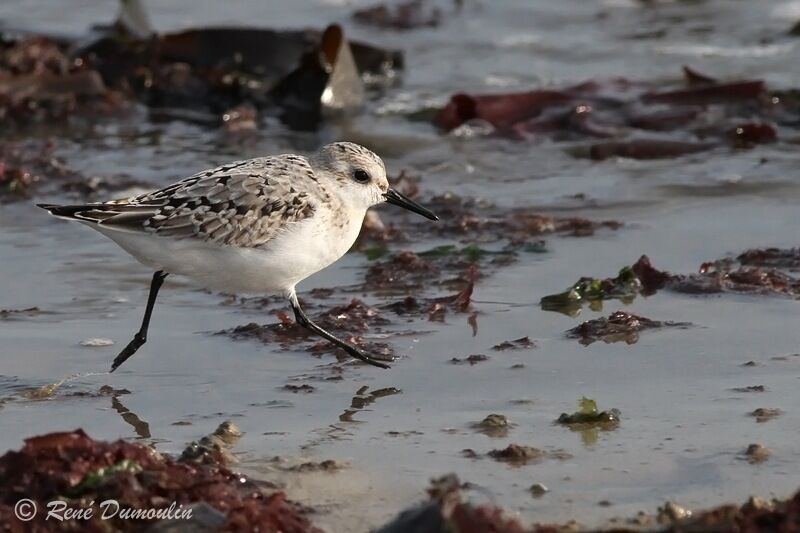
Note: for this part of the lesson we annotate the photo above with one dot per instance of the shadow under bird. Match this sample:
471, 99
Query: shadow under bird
257, 226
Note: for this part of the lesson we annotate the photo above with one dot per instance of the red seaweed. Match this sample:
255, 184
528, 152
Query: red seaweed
523, 343
616, 108
40, 82
710, 93
667, 119
620, 326
771, 257
347, 321
753, 272
500, 110
73, 467
650, 277
578, 119
751, 133
693, 77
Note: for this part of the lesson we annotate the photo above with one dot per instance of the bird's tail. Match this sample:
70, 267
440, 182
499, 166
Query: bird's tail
83, 212
66, 211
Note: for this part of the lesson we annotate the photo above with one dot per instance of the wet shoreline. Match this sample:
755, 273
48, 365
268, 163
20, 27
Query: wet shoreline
525, 219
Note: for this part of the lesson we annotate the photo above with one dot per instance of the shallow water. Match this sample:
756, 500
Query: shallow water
682, 430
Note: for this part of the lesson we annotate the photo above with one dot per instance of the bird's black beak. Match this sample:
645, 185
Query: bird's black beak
395, 198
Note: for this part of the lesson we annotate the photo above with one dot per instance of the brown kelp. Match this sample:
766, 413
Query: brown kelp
633, 119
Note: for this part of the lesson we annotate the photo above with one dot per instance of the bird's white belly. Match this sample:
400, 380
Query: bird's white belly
294, 254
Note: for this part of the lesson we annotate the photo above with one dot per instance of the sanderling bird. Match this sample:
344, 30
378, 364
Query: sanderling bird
256, 226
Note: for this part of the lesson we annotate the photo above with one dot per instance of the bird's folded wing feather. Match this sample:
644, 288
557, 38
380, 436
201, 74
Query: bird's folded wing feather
241, 204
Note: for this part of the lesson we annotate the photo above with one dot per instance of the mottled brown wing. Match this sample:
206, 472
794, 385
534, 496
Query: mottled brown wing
241, 204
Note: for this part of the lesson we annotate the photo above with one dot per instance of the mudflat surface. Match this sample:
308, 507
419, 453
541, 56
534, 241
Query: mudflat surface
681, 391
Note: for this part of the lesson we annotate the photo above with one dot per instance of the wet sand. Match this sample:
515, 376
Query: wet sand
683, 429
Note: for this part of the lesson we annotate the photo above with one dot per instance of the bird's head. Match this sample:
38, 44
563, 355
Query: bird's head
359, 176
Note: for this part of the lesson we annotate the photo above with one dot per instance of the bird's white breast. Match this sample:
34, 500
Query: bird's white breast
296, 252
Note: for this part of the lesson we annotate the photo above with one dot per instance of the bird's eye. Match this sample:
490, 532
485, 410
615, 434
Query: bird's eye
361, 176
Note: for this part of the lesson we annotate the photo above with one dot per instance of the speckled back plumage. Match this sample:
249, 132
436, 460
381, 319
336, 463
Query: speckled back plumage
243, 203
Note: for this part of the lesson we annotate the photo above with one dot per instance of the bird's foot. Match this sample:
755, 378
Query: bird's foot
136, 343
364, 356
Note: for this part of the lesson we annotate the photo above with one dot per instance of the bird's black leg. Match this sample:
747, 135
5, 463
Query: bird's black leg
141, 337
306, 322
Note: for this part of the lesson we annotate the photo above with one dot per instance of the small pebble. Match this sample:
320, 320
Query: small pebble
494, 421
538, 490
763, 414
671, 512
228, 432
758, 504
757, 453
